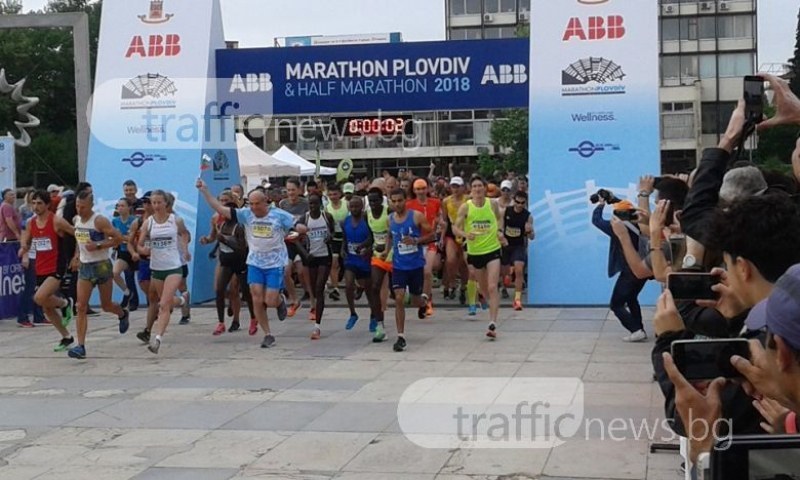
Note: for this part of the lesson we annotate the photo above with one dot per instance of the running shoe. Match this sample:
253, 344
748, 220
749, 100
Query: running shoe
144, 336
229, 311
429, 309
293, 308
154, 346
92, 313
219, 330
269, 341
484, 303
185, 320
473, 310
400, 344
312, 316
25, 324
78, 352
283, 312
63, 344
253, 327
504, 293
422, 311
334, 295
462, 297
491, 332
380, 335
373, 325
124, 321
67, 313
351, 322
315, 334
446, 293
126, 300
517, 305
234, 327
452, 294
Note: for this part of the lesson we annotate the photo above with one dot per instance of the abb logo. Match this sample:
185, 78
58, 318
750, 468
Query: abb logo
156, 46
598, 28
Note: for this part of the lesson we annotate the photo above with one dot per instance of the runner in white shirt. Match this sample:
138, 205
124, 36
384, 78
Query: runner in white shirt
95, 237
166, 234
265, 228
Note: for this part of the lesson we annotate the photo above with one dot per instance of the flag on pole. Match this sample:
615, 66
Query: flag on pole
344, 170
319, 161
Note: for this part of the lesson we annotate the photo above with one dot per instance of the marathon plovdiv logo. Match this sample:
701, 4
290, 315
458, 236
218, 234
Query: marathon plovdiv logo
148, 91
156, 13
592, 76
138, 159
221, 166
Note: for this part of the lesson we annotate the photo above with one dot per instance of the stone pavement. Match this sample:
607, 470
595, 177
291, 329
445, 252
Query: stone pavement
210, 408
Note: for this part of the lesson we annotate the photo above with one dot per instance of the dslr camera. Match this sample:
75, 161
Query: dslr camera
606, 195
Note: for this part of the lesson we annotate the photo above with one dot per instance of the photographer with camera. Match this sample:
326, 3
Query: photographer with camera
625, 296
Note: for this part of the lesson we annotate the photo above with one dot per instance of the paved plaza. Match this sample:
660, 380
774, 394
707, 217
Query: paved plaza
214, 408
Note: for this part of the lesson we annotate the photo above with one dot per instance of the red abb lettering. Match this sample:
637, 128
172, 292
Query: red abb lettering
156, 46
598, 28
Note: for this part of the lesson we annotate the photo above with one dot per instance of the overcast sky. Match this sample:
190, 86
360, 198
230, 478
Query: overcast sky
258, 22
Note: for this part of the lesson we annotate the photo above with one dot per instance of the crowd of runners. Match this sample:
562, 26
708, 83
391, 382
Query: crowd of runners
380, 238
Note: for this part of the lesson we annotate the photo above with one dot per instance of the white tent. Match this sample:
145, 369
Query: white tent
285, 154
254, 162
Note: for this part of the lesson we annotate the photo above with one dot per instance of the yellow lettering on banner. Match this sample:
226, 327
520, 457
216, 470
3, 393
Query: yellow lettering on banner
82, 236
262, 231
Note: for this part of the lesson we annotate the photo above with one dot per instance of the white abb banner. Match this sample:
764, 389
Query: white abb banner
594, 121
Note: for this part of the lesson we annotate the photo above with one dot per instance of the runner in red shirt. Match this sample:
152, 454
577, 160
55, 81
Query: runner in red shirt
432, 209
43, 233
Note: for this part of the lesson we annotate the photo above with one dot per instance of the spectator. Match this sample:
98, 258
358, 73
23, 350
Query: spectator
55, 196
9, 217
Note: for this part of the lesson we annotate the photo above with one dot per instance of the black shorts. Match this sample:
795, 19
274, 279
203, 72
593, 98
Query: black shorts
185, 271
411, 279
294, 253
481, 261
40, 279
336, 246
358, 273
125, 257
514, 254
316, 262
236, 263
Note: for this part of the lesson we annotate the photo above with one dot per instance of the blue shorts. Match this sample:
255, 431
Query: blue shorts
270, 278
144, 269
411, 279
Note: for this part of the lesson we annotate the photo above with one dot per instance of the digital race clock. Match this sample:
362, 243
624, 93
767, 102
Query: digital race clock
388, 126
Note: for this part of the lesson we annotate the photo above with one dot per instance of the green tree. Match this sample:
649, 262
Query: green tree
44, 57
510, 135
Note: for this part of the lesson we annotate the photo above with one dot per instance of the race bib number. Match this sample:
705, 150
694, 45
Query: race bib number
262, 231
404, 249
82, 236
224, 248
481, 228
513, 232
381, 238
352, 248
42, 244
318, 233
161, 243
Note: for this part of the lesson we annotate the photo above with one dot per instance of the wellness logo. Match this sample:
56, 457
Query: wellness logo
592, 76
148, 91
138, 159
594, 117
587, 149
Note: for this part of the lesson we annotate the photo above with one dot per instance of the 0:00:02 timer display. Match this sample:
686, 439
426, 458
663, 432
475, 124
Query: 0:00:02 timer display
365, 126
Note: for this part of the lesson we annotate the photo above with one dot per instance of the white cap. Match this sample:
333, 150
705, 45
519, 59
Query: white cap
506, 184
53, 188
457, 181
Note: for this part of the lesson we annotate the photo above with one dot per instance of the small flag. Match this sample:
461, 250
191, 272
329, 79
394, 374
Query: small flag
319, 162
205, 163
344, 170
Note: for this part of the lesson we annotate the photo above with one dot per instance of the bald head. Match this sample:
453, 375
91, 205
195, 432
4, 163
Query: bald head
258, 203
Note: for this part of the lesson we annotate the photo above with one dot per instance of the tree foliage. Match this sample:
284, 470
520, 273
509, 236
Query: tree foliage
44, 57
510, 136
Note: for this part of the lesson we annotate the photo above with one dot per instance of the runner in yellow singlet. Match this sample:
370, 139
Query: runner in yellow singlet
480, 222
453, 245
338, 210
381, 264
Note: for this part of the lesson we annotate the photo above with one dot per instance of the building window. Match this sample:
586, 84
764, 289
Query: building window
735, 64
689, 67
708, 66
669, 29
457, 7
508, 6
465, 34
707, 27
715, 117
473, 7
677, 121
524, 5
670, 67
736, 26
500, 32
678, 161
688, 27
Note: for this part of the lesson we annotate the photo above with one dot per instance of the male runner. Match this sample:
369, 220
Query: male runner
44, 231
129, 190
518, 224
453, 245
297, 206
378, 219
431, 209
266, 229
409, 231
338, 210
356, 249
95, 237
480, 222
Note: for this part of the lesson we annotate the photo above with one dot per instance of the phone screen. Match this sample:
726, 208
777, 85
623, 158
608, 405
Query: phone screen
677, 247
692, 286
754, 98
708, 359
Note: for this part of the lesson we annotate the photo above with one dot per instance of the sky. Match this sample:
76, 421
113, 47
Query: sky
420, 20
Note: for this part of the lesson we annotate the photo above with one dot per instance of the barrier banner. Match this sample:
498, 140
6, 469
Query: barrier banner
594, 123
155, 118
12, 280
8, 170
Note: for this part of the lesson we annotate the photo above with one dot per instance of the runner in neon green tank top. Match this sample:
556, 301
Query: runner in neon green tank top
480, 222
381, 264
338, 210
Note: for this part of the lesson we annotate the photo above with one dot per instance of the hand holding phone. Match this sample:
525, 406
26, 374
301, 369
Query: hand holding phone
693, 286
754, 98
709, 359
